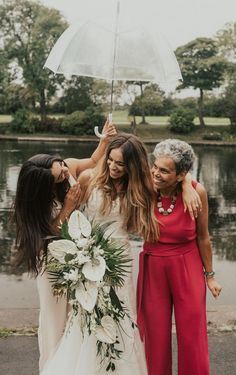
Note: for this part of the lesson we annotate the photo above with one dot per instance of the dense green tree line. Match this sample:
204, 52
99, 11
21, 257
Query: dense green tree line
28, 30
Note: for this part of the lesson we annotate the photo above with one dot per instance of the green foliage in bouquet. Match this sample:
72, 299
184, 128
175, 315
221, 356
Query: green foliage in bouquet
89, 267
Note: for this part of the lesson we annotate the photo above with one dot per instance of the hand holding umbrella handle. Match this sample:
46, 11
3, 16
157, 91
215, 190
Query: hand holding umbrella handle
96, 131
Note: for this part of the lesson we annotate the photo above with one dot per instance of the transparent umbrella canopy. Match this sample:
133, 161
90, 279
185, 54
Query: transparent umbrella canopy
118, 46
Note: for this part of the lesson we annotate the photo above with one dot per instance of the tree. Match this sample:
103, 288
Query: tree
4, 80
141, 85
201, 68
151, 102
226, 40
230, 102
28, 31
77, 94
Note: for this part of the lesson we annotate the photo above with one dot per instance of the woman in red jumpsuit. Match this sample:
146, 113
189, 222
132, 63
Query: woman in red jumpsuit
175, 270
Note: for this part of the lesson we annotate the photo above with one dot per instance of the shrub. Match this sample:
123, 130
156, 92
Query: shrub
214, 136
50, 124
94, 117
22, 122
74, 123
181, 121
4, 128
82, 123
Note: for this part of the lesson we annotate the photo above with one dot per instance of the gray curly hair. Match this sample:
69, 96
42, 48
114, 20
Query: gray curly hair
180, 152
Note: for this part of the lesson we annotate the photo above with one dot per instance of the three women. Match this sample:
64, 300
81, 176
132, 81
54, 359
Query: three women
119, 191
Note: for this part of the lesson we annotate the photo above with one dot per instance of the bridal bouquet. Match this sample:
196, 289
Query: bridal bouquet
88, 267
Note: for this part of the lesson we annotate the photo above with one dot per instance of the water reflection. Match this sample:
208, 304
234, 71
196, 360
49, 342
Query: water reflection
215, 169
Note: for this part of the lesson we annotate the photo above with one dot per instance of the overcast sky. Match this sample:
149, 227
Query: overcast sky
179, 20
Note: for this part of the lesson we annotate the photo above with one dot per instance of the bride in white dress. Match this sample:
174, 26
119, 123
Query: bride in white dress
120, 192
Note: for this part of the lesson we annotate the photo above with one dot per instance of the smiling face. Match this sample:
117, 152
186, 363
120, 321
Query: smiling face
60, 171
116, 164
164, 175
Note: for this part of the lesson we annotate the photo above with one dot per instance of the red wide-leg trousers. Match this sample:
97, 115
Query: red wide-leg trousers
175, 281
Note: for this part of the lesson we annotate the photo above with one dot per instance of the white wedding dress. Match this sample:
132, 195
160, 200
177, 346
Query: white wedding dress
77, 355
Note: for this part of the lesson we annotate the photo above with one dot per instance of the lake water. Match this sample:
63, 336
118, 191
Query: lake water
215, 169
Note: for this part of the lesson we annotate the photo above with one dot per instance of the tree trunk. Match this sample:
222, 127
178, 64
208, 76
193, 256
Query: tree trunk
133, 125
143, 110
200, 110
199, 167
43, 110
233, 125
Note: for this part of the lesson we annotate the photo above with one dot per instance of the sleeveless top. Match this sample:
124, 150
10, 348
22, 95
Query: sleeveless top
177, 230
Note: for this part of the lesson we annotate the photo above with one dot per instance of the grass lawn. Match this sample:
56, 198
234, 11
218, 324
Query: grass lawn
5, 119
121, 117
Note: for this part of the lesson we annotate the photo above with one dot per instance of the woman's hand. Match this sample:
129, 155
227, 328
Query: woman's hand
71, 202
109, 130
72, 199
191, 198
213, 286
192, 201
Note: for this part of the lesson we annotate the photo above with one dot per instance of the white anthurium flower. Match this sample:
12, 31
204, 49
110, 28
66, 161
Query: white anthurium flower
73, 226
106, 332
95, 269
78, 224
82, 242
85, 225
86, 293
59, 249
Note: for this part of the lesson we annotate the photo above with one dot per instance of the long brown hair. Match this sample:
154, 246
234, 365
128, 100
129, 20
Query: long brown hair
137, 194
32, 210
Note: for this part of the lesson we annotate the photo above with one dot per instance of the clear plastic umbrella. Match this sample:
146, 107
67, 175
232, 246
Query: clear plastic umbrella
119, 46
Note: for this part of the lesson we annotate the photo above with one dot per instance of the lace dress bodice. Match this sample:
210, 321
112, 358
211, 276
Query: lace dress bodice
117, 228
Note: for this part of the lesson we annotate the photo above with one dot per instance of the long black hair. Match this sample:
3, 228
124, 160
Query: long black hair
33, 207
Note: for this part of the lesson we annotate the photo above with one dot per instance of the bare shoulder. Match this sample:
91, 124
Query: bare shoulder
72, 164
200, 188
85, 177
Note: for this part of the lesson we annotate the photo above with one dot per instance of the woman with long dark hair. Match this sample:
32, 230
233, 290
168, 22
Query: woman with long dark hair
44, 199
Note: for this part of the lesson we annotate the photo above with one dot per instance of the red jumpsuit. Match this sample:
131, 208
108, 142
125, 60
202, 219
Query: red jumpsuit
171, 276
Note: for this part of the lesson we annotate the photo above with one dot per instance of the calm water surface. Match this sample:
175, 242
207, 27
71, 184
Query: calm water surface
215, 169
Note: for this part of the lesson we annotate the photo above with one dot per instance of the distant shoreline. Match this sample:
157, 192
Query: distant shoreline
86, 139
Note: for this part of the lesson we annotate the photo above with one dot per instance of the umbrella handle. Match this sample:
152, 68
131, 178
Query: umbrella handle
96, 131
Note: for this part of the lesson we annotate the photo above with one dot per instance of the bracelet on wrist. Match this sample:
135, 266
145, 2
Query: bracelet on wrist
209, 274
